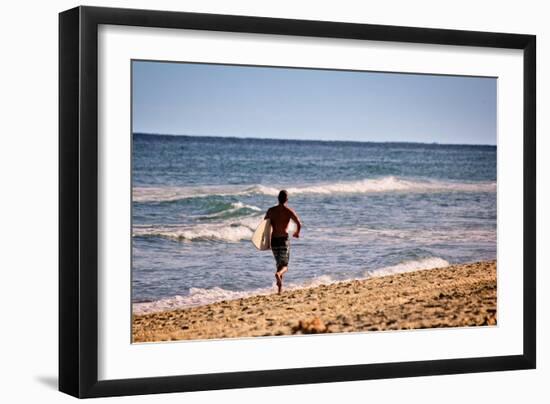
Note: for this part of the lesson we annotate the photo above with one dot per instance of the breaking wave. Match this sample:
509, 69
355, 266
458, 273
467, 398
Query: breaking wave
233, 209
232, 232
408, 266
380, 185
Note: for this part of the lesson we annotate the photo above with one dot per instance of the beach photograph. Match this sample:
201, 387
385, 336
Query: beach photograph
283, 201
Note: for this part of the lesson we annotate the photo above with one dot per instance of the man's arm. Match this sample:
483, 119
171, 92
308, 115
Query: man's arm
296, 220
267, 214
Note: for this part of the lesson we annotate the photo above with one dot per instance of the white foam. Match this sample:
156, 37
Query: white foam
366, 186
196, 297
408, 266
232, 232
168, 194
240, 205
386, 184
202, 296
235, 207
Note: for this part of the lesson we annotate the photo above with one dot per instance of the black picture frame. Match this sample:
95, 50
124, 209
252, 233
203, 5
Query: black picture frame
78, 201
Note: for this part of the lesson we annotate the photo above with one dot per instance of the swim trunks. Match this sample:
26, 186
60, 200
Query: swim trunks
281, 250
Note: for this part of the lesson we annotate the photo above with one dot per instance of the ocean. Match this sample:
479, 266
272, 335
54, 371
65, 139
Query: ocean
368, 209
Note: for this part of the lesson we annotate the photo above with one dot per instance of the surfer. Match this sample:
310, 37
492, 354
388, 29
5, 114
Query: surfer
280, 216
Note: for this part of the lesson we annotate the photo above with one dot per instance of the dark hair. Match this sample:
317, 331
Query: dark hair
283, 196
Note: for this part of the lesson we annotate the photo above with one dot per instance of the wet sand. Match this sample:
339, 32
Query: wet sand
454, 296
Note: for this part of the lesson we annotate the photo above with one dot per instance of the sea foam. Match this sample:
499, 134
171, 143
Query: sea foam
408, 266
229, 231
203, 296
365, 186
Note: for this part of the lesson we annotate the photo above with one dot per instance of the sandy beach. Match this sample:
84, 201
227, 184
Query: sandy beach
454, 296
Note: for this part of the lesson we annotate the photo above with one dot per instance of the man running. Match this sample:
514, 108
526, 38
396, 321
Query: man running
280, 216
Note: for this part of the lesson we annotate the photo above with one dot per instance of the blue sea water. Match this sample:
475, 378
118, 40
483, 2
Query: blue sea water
367, 209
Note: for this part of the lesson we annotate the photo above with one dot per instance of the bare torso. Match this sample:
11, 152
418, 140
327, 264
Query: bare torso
280, 216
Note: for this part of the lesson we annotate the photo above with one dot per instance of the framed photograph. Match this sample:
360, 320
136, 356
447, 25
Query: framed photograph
250, 201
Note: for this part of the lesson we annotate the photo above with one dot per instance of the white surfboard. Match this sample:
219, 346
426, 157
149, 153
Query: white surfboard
262, 235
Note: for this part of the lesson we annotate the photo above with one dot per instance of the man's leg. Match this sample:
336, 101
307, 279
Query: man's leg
279, 277
279, 281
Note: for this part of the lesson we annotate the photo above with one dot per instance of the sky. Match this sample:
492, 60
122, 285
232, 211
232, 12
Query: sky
290, 103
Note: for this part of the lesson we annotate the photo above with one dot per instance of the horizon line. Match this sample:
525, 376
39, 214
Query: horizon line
310, 140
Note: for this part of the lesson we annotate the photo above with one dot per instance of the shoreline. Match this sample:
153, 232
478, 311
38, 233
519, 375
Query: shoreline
454, 296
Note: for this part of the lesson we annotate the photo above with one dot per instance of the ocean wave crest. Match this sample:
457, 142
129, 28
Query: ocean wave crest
231, 232
408, 266
231, 210
365, 186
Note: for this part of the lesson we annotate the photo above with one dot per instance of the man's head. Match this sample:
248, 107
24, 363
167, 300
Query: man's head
283, 197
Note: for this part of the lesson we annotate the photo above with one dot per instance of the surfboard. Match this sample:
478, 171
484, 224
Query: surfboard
262, 235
